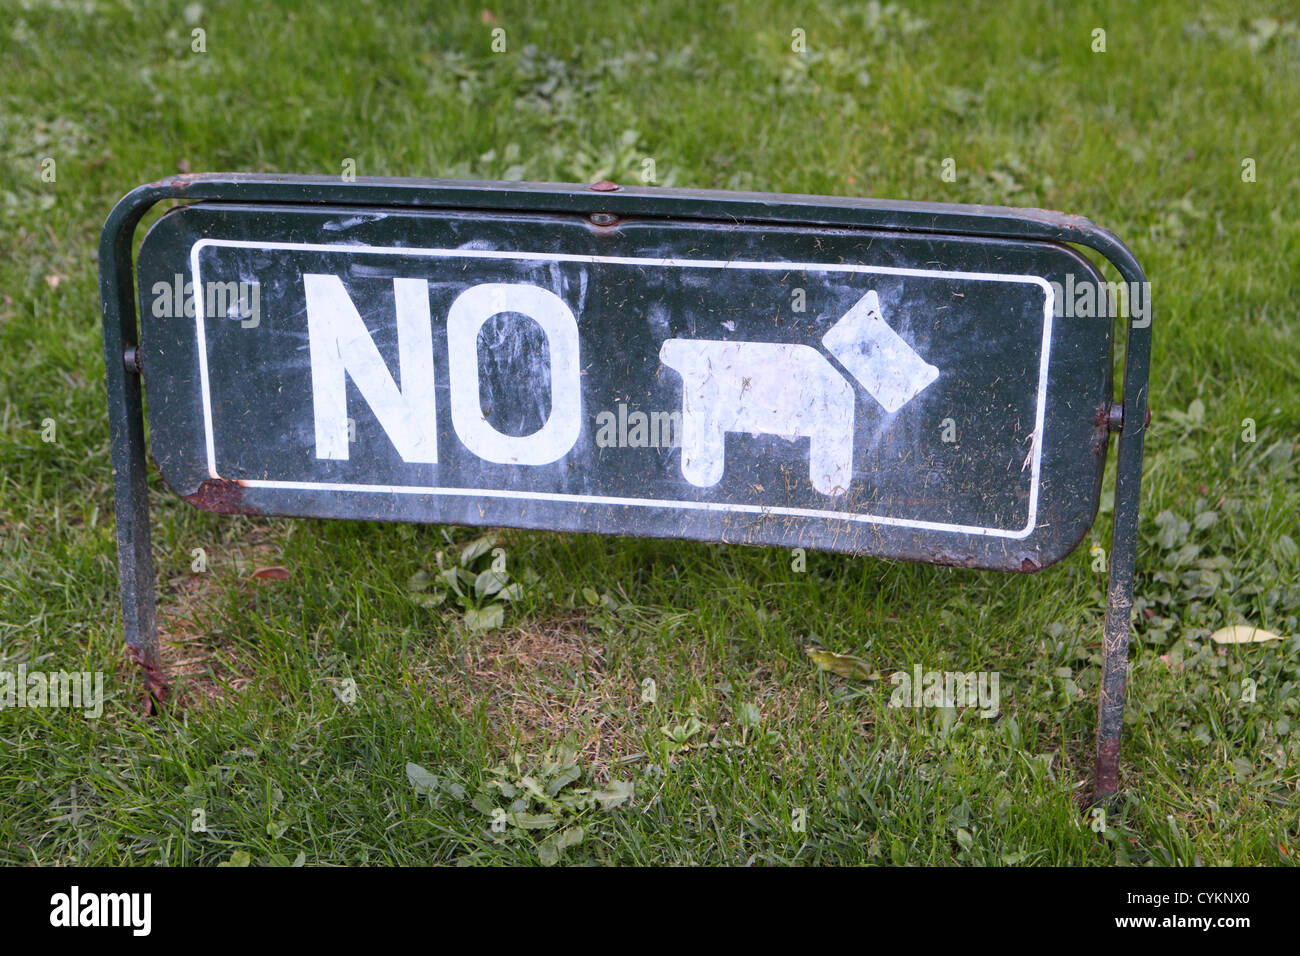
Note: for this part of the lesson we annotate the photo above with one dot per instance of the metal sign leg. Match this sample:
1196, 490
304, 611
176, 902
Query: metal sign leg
126, 436
1114, 667
1123, 559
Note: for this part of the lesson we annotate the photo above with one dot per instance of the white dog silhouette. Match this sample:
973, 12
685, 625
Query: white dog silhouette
761, 387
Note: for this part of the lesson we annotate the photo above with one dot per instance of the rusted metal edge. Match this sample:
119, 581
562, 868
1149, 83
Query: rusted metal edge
156, 683
221, 496
623, 201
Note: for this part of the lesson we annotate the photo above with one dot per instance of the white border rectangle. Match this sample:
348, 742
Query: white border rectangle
1048, 309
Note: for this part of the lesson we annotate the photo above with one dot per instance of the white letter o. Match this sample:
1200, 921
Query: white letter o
468, 314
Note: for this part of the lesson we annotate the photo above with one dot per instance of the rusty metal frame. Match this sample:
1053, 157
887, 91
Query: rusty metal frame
121, 336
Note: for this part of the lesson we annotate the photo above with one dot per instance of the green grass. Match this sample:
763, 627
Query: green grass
288, 760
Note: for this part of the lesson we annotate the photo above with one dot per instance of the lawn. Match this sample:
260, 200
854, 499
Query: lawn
653, 702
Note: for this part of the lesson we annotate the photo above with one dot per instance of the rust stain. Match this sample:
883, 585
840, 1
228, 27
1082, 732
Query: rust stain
1029, 565
1101, 430
222, 496
155, 680
1107, 770
1054, 217
181, 181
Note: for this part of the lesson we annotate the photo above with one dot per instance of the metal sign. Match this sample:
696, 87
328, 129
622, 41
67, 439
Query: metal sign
878, 394
897, 380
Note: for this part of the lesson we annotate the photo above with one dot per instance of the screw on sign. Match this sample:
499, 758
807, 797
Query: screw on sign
460, 353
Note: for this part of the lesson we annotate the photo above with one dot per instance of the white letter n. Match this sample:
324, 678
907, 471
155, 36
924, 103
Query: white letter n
341, 344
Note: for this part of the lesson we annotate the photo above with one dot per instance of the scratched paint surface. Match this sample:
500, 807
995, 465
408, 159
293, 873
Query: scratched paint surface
769, 384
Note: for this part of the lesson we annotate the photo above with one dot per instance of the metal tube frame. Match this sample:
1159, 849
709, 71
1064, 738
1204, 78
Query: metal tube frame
121, 338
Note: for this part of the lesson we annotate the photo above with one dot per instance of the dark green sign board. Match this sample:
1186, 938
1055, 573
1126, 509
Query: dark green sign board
898, 380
